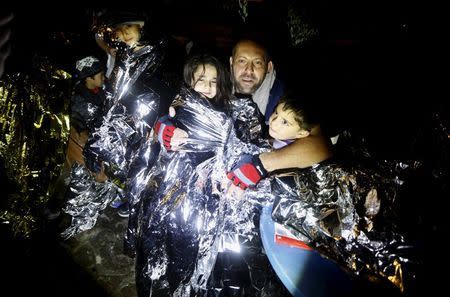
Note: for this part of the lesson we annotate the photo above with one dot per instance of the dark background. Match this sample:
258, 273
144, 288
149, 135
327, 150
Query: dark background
370, 63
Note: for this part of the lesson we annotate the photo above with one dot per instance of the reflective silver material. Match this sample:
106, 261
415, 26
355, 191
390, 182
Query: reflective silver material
86, 199
187, 219
349, 215
121, 143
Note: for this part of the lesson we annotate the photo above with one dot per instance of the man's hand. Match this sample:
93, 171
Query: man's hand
248, 172
164, 131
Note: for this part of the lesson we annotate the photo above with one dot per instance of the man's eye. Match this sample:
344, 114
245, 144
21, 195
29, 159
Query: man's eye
259, 63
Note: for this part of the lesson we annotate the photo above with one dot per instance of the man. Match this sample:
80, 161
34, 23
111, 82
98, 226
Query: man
253, 73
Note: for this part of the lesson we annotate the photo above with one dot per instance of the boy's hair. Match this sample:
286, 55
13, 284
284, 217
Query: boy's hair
305, 114
223, 83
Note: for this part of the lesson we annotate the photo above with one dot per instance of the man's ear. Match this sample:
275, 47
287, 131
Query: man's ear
231, 62
270, 67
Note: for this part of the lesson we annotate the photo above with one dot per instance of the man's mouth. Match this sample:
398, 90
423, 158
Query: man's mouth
247, 80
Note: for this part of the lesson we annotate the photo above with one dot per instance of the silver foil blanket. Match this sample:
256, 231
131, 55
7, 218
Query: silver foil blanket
186, 218
34, 128
120, 144
349, 215
86, 199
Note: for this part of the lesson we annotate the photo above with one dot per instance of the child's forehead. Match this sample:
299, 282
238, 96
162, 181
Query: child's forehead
127, 25
205, 67
283, 108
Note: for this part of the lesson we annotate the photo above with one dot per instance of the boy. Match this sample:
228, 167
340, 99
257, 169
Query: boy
288, 123
86, 106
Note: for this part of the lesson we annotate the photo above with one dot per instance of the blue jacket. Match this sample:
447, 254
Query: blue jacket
274, 97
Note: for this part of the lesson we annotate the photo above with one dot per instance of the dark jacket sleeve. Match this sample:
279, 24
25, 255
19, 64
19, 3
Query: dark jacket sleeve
77, 111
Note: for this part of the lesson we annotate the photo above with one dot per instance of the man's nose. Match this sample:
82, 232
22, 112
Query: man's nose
249, 67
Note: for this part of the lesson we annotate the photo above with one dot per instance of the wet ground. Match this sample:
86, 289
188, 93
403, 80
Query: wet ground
89, 264
92, 263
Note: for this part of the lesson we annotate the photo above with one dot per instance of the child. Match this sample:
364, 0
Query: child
167, 237
127, 27
138, 94
291, 121
86, 106
203, 73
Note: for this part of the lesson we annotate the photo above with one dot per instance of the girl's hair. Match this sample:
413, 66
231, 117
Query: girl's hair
223, 82
305, 113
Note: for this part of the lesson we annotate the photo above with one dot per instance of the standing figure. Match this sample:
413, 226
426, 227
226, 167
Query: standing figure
136, 95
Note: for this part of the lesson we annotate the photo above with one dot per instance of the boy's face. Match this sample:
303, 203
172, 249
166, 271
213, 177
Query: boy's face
95, 81
205, 80
249, 67
283, 126
128, 33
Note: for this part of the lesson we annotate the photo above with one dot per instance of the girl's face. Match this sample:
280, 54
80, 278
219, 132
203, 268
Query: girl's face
205, 79
129, 33
283, 126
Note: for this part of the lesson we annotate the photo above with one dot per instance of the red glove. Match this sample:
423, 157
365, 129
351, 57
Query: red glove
164, 131
248, 172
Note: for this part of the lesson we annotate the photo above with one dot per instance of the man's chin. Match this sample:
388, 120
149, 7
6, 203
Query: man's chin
245, 90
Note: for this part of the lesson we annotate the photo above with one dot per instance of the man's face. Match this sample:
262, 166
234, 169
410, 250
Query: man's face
249, 67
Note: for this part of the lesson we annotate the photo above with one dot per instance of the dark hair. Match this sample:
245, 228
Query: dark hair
223, 85
305, 114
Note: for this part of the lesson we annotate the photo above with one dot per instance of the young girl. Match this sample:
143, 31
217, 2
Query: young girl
206, 75
172, 214
203, 152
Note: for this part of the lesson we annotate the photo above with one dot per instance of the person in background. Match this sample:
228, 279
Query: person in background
136, 95
86, 108
137, 80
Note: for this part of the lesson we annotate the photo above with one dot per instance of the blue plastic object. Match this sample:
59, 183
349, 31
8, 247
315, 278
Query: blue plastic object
303, 272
